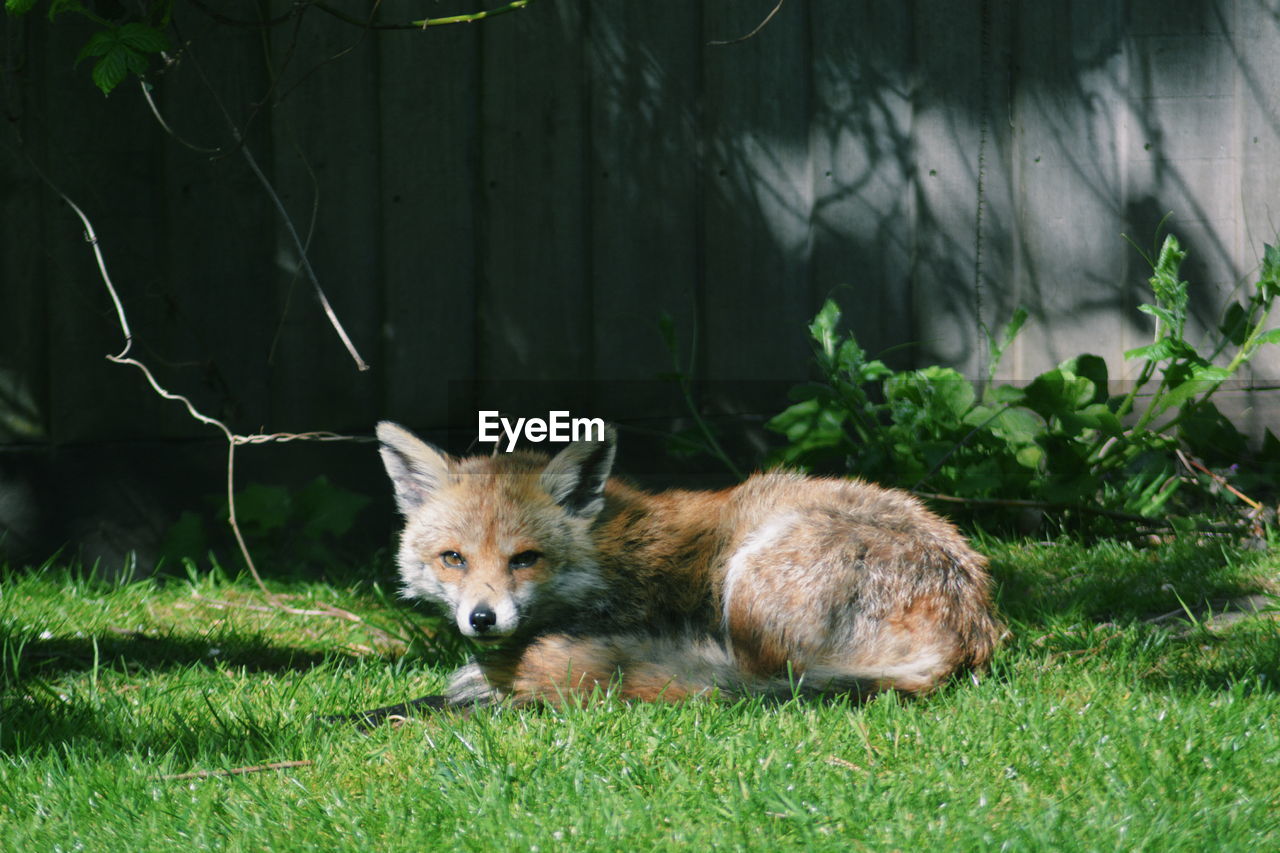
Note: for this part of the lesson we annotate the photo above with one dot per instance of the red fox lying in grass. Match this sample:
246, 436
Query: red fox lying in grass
783, 584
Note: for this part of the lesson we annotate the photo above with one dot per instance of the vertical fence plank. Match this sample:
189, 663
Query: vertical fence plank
964, 227
109, 173
1254, 53
1071, 124
863, 163
24, 322
211, 315
536, 323
325, 155
643, 64
758, 202
1180, 157
429, 160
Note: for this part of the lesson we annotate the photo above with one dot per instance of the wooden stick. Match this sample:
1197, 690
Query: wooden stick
235, 771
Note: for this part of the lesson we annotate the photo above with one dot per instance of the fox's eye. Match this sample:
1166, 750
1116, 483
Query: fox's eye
453, 560
524, 560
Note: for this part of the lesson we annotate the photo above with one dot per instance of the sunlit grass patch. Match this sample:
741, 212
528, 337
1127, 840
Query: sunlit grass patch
1098, 726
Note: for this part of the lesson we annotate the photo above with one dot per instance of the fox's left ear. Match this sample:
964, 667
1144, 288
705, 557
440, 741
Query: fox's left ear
417, 469
575, 478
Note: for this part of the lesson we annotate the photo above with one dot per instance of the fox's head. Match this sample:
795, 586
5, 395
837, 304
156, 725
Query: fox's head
498, 540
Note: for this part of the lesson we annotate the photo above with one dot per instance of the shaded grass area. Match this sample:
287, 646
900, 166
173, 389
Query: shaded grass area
1095, 728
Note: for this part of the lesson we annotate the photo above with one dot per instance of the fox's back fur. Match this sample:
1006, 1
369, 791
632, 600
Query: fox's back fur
576, 580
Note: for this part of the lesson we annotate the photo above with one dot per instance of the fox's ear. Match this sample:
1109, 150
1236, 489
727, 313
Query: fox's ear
416, 468
575, 478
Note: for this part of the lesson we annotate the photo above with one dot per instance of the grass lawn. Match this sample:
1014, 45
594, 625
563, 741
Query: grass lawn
1097, 729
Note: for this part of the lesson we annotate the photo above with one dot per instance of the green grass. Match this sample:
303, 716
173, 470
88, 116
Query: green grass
1095, 730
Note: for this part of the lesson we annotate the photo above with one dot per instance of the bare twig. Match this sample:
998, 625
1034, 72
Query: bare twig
235, 771
123, 357
1196, 465
155, 111
297, 8
302, 257
284, 217
329, 610
753, 33
423, 24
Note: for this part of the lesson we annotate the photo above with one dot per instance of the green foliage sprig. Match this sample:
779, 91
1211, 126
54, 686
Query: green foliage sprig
121, 46
1062, 439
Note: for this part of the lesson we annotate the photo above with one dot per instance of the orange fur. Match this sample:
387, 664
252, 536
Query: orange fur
784, 582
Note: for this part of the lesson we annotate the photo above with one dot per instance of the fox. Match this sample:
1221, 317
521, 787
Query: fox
573, 583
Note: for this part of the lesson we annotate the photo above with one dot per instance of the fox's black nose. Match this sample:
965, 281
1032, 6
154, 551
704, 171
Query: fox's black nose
482, 619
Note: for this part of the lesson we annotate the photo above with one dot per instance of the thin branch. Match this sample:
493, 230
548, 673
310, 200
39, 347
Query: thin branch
1196, 465
753, 33
306, 262
123, 358
235, 771
284, 217
91, 237
155, 111
425, 22
328, 610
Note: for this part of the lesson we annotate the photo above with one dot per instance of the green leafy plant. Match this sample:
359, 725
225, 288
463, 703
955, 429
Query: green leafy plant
284, 526
121, 46
1062, 440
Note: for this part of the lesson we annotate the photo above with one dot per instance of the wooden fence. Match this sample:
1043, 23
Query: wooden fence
494, 209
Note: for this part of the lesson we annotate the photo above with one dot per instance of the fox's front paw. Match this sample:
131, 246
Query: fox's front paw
469, 686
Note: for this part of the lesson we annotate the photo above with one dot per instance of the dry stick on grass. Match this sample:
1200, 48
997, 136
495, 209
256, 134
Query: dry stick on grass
235, 771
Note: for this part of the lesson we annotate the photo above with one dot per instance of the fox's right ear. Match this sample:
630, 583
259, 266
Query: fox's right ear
417, 469
576, 476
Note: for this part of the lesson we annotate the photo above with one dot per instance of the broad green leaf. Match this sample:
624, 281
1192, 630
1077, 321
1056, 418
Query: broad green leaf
823, 327
1270, 446
121, 50
1057, 392
1007, 394
1234, 326
1269, 281
1163, 314
143, 38
874, 371
1271, 337
111, 69
1094, 417
18, 7
1170, 258
1017, 426
1163, 349
999, 345
1030, 456
1093, 368
935, 395
99, 44
809, 423
1199, 379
